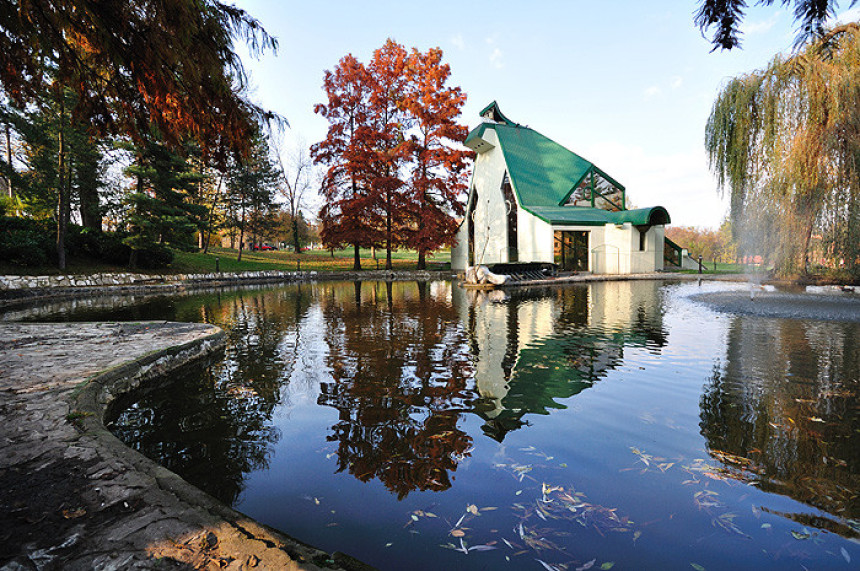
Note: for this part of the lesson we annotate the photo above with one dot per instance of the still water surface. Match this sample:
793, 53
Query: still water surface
612, 425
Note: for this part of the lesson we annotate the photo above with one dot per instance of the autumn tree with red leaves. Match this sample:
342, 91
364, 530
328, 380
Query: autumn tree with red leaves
346, 214
167, 67
395, 175
389, 122
439, 173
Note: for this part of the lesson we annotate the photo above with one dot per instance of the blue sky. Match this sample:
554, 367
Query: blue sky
626, 84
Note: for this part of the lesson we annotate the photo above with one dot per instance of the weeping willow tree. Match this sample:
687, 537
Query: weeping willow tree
785, 143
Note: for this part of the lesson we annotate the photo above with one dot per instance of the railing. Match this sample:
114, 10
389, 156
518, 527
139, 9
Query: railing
672, 253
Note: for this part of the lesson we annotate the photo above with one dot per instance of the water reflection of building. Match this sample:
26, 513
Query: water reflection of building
533, 348
783, 411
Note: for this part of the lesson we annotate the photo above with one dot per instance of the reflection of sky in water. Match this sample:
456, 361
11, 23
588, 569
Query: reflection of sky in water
602, 422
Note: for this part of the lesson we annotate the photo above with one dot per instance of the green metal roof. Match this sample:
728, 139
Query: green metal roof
493, 112
583, 216
544, 174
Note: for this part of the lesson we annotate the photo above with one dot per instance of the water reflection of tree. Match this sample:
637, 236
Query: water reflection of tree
783, 411
213, 425
401, 379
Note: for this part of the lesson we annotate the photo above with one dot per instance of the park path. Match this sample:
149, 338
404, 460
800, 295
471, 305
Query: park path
72, 496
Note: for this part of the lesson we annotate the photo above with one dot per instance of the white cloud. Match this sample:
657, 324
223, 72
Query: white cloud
652, 92
681, 182
458, 42
850, 15
496, 59
677, 81
760, 27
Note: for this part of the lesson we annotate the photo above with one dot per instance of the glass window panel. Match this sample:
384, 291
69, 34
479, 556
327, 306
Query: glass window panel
607, 195
582, 195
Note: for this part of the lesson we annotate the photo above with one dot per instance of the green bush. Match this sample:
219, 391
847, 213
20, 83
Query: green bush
106, 247
26, 242
154, 257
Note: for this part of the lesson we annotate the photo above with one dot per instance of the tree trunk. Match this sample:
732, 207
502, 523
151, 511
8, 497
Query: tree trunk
422, 251
806, 240
356, 264
388, 265
296, 236
91, 216
209, 226
63, 200
241, 235
11, 170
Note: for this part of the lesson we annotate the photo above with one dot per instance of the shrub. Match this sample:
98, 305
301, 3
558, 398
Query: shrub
26, 242
29, 242
154, 256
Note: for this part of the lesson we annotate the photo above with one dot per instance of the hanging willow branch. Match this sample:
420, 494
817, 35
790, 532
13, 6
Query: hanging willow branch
785, 143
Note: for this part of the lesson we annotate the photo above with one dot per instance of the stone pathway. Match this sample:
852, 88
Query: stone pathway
72, 496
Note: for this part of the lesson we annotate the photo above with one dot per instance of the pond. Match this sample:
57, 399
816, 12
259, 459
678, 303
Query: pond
611, 425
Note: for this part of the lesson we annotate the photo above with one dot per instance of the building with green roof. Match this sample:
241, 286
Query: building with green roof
533, 200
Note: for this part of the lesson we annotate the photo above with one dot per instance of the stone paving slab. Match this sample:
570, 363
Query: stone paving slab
72, 496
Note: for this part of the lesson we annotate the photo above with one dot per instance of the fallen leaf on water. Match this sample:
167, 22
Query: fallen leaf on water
636, 535
74, 513
608, 565
799, 535
697, 567
472, 509
458, 532
388, 544
547, 566
588, 565
482, 548
765, 526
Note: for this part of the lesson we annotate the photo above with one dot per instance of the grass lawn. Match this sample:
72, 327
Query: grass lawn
319, 260
198, 262
724, 268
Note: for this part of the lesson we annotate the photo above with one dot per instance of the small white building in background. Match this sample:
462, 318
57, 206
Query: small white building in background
532, 200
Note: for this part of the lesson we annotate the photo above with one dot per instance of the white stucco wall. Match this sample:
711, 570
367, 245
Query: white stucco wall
490, 211
619, 252
534, 238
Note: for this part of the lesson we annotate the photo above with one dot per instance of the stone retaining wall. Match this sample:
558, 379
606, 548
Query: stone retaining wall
18, 289
10, 283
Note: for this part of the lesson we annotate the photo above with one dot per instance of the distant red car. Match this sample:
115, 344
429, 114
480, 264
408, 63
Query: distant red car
263, 247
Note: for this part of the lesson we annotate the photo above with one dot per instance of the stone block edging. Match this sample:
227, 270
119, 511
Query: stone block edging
22, 289
227, 528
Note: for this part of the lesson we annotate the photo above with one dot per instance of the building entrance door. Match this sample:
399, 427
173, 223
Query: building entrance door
571, 250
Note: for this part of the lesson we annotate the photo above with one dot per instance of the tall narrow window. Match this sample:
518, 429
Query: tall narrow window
470, 226
511, 207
